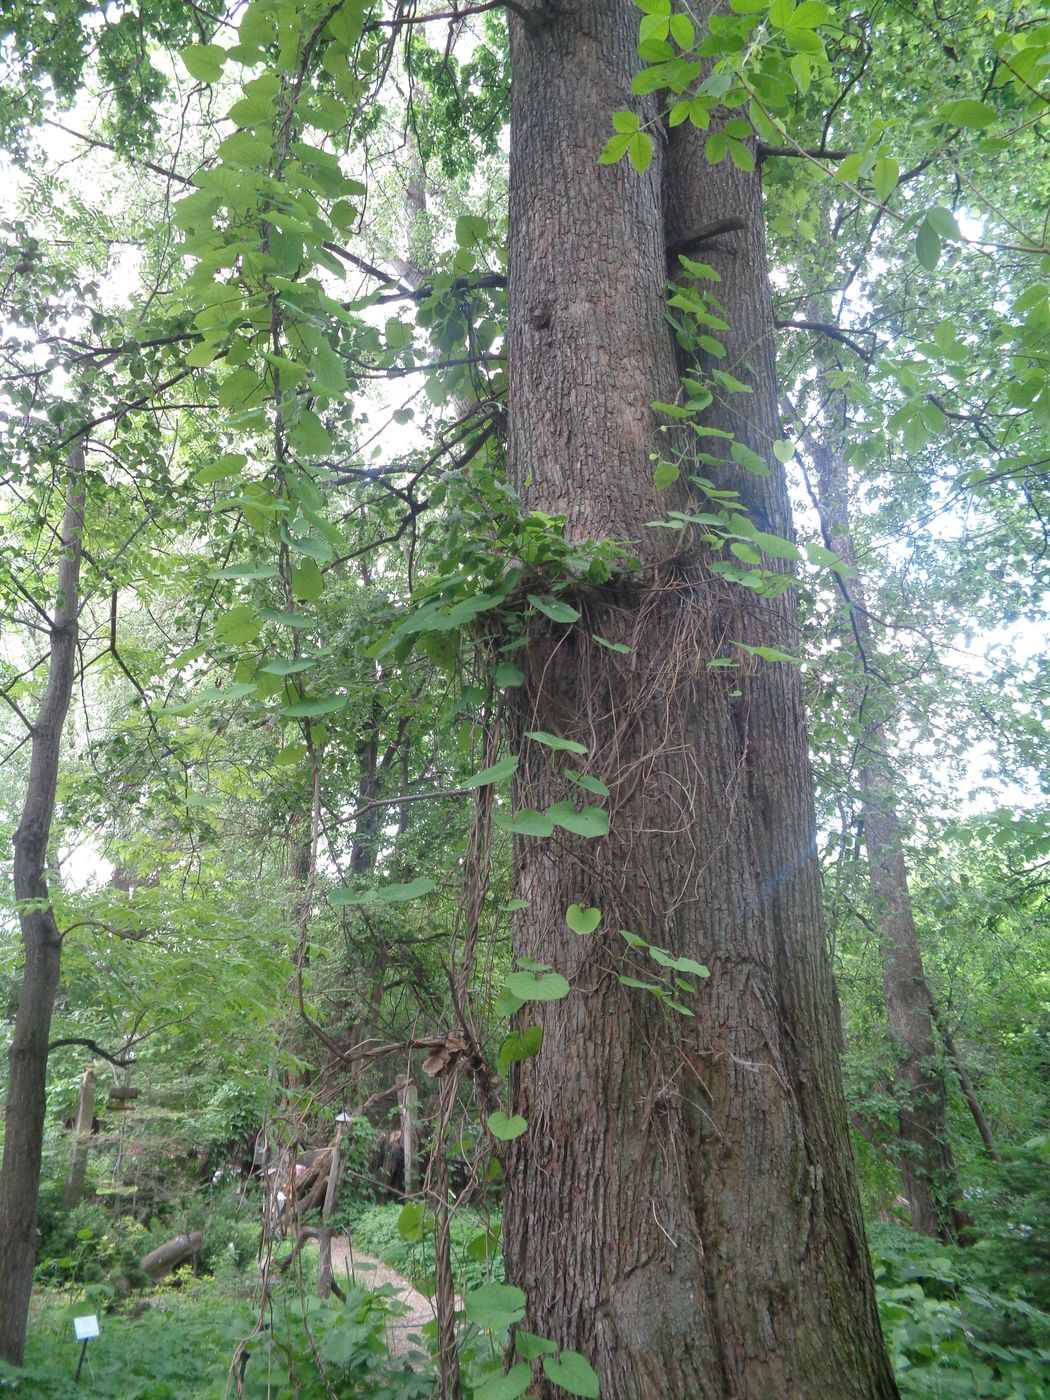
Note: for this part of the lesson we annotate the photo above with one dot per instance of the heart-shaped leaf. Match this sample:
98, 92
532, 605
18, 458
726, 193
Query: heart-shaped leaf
532, 988
503, 769
495, 1305
581, 920
550, 607
501, 1126
573, 1373
588, 821
508, 1387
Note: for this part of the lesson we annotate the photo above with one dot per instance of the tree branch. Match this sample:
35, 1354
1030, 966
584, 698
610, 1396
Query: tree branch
91, 1045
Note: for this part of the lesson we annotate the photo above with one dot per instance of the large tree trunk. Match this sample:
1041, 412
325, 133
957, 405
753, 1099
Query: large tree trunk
26, 1090
682, 1207
925, 1158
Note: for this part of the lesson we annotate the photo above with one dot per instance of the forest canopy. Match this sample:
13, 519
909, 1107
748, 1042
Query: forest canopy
523, 618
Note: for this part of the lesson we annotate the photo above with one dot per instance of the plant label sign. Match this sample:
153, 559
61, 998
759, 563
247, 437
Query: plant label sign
84, 1328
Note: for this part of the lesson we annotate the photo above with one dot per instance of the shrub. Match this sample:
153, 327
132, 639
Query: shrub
949, 1333
476, 1256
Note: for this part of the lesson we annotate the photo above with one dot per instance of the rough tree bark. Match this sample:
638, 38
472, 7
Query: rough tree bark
925, 1158
682, 1207
42, 941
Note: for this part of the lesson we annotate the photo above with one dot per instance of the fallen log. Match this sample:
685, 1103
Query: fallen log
166, 1257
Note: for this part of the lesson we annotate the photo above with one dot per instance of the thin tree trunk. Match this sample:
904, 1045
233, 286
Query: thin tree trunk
26, 1092
966, 1085
325, 1282
682, 1208
925, 1158
81, 1139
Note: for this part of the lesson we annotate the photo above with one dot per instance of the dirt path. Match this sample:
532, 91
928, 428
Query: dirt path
363, 1268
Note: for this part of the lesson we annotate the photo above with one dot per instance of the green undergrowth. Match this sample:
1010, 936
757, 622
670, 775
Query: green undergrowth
476, 1257
182, 1345
954, 1324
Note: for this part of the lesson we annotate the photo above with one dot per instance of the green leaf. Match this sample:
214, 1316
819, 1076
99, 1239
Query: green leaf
495, 1306
553, 742
573, 1373
884, 177
587, 782
582, 921
291, 753
519, 1045
239, 625
703, 272
627, 122
227, 465
507, 675
944, 223
810, 14
776, 546
307, 582
253, 110
615, 149
386, 894
496, 774
504, 1128
253, 571
530, 1346
682, 31
470, 229
309, 436
741, 155
640, 151
289, 668
320, 550
525, 822
783, 451
625, 981
750, 461
484, 1247
689, 965
817, 554
550, 607
666, 473
654, 25
314, 706
412, 1221
715, 147
745, 552
927, 246
620, 647
968, 111
509, 1387
287, 619
506, 1004
204, 61
633, 939
588, 821
529, 987
769, 653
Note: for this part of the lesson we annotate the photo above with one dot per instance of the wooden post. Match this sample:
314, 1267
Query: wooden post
406, 1100
81, 1139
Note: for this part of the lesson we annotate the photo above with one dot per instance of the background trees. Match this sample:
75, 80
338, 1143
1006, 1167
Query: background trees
339, 592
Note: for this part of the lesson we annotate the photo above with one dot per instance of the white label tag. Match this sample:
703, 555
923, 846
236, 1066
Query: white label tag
85, 1327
